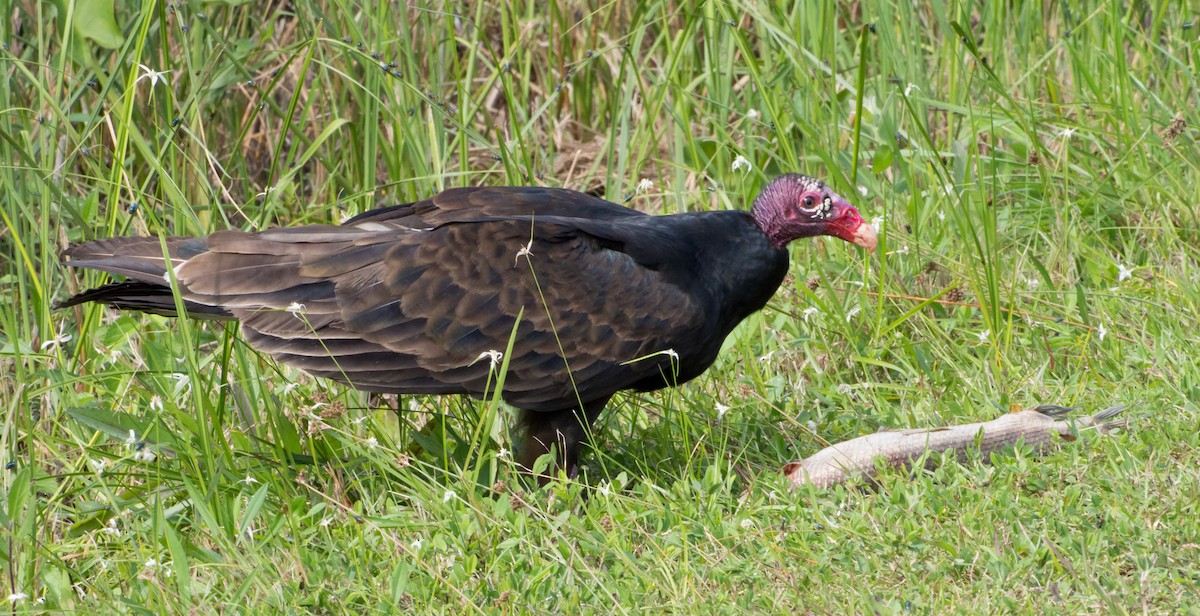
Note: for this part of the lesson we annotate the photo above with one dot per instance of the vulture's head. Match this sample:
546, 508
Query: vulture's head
793, 206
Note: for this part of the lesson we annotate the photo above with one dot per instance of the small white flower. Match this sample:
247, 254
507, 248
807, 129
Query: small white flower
1102, 331
153, 75
851, 312
1066, 133
359, 420
17, 597
144, 455
941, 215
862, 190
984, 335
753, 114
1032, 283
449, 496
111, 528
150, 563
643, 186
296, 309
492, 356
810, 311
503, 453
844, 389
902, 251
156, 403
721, 410
325, 522
741, 163
604, 488
249, 479
908, 89
525, 251
1123, 273
747, 524
415, 545
811, 425
56, 342
415, 406
877, 223
372, 443
132, 440
98, 465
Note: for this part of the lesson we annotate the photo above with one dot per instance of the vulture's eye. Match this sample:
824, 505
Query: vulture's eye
808, 201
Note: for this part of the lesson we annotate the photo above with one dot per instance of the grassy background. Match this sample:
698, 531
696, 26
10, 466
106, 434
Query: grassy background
1033, 169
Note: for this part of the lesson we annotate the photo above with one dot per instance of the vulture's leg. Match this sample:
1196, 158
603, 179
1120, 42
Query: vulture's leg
567, 429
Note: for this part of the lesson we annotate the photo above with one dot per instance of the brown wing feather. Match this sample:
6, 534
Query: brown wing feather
402, 310
458, 204
407, 299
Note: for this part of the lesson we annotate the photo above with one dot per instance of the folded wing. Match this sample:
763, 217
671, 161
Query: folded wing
412, 299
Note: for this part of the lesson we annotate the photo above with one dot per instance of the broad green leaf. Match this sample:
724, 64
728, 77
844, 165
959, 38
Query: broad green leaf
97, 20
119, 425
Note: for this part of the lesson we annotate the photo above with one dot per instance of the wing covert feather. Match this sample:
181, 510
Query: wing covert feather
408, 299
455, 294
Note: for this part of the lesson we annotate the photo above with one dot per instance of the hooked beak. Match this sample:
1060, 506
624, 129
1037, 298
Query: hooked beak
865, 236
850, 226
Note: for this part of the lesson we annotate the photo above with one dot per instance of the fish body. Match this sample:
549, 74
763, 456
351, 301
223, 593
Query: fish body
1040, 427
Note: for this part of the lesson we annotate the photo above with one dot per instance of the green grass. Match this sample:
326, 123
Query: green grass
1021, 158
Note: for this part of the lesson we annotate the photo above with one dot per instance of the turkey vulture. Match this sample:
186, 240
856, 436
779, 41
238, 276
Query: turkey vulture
413, 298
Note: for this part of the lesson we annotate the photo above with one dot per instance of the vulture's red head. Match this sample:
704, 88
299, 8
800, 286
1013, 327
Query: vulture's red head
793, 206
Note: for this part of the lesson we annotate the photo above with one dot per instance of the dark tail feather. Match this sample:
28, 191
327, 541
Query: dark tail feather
137, 258
140, 259
143, 296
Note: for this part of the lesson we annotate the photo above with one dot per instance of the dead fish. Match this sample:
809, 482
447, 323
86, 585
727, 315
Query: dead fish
1040, 427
